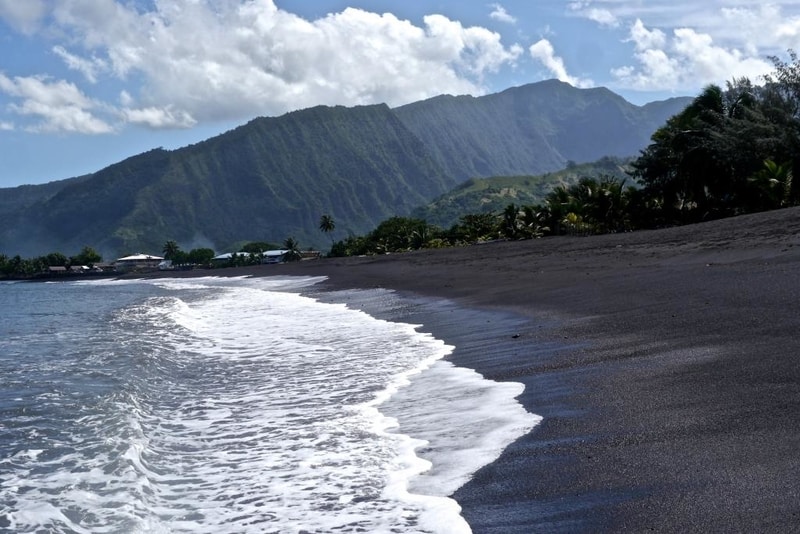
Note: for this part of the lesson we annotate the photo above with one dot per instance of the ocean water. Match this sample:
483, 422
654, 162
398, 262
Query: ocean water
232, 405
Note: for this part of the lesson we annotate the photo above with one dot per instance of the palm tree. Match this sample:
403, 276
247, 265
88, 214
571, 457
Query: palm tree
292, 248
532, 222
327, 225
773, 185
510, 221
170, 249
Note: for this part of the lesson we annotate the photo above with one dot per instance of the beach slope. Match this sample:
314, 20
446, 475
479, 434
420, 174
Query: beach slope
666, 365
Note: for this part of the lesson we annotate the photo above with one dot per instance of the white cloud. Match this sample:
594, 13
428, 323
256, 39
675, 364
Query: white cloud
500, 14
645, 39
159, 117
682, 45
759, 27
89, 68
6, 126
24, 16
205, 60
686, 60
601, 15
740, 24
58, 106
543, 51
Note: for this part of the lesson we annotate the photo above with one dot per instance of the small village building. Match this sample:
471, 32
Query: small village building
266, 257
273, 256
103, 268
138, 262
310, 254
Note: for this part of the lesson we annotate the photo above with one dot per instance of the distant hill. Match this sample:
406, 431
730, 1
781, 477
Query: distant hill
274, 177
492, 195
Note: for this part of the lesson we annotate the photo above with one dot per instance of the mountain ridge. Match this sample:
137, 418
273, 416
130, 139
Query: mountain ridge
273, 177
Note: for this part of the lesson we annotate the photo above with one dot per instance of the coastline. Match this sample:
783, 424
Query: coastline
666, 366
665, 363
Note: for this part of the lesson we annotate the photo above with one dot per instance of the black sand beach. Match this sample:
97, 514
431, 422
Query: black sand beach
666, 365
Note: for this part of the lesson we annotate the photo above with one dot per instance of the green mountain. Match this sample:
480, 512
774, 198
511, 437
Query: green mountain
492, 195
274, 177
266, 180
533, 129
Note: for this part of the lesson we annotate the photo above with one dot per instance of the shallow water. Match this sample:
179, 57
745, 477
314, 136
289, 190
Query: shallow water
232, 405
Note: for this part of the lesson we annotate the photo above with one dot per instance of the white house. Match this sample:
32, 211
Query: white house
269, 256
138, 261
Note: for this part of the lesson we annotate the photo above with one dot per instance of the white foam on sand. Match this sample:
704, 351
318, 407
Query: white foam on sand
474, 421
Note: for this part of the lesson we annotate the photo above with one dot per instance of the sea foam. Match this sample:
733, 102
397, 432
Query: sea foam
242, 405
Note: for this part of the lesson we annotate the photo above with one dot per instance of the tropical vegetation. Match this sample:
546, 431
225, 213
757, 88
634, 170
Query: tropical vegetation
18, 267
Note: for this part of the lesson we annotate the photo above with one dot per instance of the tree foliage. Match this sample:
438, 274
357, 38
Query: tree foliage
730, 151
19, 267
326, 224
171, 250
87, 256
292, 248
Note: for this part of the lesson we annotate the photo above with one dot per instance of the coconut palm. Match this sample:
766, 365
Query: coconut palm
327, 225
292, 248
773, 185
170, 249
510, 224
532, 220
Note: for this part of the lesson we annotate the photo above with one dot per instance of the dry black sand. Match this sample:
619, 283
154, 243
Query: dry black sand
666, 365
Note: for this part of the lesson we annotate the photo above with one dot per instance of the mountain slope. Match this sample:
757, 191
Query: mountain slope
533, 129
492, 195
267, 180
274, 177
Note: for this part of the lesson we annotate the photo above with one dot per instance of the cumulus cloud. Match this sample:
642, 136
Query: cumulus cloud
748, 26
205, 60
543, 51
685, 60
89, 68
603, 17
759, 27
500, 14
57, 106
159, 117
24, 16
686, 44
644, 39
600, 15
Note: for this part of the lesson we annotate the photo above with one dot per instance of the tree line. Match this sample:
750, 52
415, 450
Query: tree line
593, 205
249, 254
18, 267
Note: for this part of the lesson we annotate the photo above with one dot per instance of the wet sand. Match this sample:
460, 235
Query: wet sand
666, 365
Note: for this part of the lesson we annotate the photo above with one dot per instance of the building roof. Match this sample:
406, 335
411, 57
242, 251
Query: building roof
141, 257
266, 254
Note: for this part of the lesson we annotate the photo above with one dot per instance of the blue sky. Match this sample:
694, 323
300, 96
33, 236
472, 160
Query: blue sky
87, 83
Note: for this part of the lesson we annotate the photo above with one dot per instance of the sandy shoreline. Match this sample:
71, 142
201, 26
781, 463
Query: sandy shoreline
666, 365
